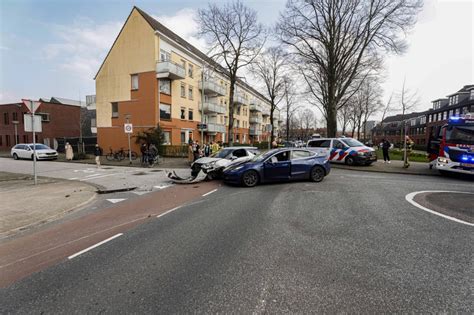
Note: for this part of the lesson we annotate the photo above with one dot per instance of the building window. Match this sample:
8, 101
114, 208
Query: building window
190, 92
14, 116
1, 137
165, 86
115, 112
7, 140
134, 81
471, 96
44, 116
164, 55
183, 137
183, 113
190, 114
457, 112
25, 138
183, 64
183, 90
93, 123
166, 137
190, 70
445, 115
165, 111
6, 118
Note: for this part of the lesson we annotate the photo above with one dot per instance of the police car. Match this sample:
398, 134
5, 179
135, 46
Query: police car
343, 150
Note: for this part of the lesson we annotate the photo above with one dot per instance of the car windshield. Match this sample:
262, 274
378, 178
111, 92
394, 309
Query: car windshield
352, 142
460, 134
40, 147
222, 153
263, 156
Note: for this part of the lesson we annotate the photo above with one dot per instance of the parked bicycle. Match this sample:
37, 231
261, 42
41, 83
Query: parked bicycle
150, 160
120, 155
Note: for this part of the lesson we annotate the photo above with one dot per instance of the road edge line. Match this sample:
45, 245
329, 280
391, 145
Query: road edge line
409, 197
210, 192
94, 246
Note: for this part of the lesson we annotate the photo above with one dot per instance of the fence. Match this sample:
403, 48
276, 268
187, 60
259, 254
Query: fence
87, 145
173, 150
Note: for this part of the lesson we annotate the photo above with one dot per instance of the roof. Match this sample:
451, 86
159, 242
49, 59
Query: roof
157, 26
401, 117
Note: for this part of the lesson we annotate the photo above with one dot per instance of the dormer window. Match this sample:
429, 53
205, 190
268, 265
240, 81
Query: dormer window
471, 96
454, 99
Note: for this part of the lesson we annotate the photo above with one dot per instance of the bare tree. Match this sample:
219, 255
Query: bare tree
270, 67
290, 97
408, 100
235, 38
339, 41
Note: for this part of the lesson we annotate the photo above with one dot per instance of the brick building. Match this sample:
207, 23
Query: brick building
58, 120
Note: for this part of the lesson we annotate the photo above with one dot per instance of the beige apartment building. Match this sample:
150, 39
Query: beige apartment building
152, 76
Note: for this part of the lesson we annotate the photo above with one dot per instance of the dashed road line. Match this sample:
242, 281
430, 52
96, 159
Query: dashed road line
166, 212
94, 246
410, 198
74, 178
208, 193
101, 176
116, 200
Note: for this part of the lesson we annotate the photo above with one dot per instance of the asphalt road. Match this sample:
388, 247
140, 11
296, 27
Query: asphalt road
349, 244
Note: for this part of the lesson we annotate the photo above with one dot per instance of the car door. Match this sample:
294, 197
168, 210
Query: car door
321, 146
300, 164
24, 152
277, 167
339, 151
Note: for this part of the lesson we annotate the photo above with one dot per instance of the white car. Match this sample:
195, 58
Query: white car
214, 164
25, 151
343, 150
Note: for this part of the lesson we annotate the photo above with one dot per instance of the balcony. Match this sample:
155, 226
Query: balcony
265, 111
170, 70
212, 108
255, 107
212, 127
239, 99
255, 120
255, 131
213, 88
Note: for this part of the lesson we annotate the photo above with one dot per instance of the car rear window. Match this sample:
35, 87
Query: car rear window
300, 154
319, 143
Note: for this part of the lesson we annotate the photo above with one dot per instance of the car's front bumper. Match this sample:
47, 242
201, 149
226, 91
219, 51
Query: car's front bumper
455, 167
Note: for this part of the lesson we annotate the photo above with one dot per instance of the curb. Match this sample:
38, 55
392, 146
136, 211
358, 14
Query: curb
384, 171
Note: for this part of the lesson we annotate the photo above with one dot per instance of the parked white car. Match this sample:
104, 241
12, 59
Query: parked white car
25, 151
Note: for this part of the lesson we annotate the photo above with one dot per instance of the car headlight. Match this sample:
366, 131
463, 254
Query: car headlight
443, 160
209, 165
361, 153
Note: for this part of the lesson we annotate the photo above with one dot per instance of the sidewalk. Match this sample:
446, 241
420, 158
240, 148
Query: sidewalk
396, 167
24, 205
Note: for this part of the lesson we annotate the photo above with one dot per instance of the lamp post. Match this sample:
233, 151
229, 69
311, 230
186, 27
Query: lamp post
202, 105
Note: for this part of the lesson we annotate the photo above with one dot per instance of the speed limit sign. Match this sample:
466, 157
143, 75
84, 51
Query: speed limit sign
128, 128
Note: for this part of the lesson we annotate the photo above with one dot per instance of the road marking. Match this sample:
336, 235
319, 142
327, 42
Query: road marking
171, 210
212, 191
94, 246
74, 178
101, 176
162, 187
92, 175
412, 195
116, 200
140, 192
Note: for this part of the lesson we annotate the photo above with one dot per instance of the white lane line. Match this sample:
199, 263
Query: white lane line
162, 187
93, 175
116, 200
171, 210
74, 178
94, 246
412, 195
212, 191
101, 176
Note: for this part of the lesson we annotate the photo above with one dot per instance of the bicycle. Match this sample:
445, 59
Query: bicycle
120, 155
125, 154
151, 160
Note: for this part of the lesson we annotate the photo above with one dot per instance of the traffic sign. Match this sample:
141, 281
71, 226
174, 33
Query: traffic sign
28, 123
202, 126
128, 128
31, 105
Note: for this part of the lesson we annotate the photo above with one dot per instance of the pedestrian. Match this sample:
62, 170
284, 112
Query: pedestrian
196, 150
143, 149
274, 144
385, 146
215, 147
69, 152
152, 152
190, 152
207, 150
98, 154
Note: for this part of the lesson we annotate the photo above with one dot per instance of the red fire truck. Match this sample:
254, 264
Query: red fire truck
451, 147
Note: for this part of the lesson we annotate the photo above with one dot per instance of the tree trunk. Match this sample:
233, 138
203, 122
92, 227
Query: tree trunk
230, 133
271, 121
331, 120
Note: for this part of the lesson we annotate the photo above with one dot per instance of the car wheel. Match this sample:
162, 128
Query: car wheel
15, 156
350, 160
317, 174
368, 163
250, 178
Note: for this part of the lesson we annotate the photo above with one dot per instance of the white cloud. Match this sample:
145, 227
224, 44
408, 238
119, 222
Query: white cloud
184, 24
81, 47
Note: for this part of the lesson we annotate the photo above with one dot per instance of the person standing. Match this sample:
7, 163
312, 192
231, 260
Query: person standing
385, 146
98, 154
207, 150
215, 147
69, 152
143, 151
196, 150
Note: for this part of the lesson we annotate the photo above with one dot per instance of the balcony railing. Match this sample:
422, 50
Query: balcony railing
255, 107
170, 70
211, 87
239, 99
255, 120
212, 127
265, 111
210, 107
254, 131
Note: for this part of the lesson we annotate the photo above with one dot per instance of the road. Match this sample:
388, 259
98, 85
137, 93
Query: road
351, 243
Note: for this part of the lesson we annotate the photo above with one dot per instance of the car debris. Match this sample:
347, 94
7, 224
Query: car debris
175, 178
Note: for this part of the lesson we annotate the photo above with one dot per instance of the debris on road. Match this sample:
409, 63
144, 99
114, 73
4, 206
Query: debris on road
175, 178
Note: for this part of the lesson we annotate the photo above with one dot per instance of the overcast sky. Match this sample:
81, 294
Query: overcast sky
55, 47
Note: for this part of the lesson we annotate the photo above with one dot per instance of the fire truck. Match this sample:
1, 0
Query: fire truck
451, 146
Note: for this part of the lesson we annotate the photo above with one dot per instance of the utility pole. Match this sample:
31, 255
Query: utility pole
202, 105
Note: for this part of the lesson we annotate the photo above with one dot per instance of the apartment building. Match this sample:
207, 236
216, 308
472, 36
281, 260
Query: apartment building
152, 76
